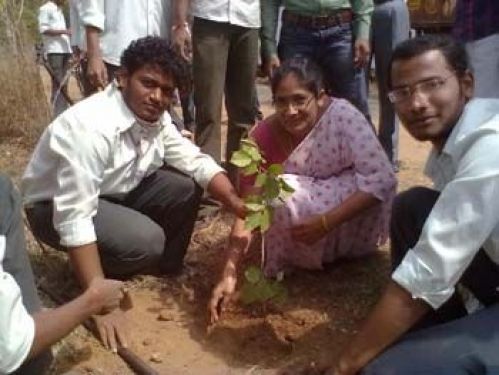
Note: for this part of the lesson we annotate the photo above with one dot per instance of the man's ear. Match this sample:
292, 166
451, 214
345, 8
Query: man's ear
122, 77
321, 98
467, 84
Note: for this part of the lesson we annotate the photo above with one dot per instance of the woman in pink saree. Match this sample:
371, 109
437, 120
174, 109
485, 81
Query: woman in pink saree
343, 181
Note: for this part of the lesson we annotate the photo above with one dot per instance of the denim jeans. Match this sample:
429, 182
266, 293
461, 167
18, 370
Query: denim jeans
332, 50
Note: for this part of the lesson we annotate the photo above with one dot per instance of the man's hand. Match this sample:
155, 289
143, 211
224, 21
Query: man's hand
309, 231
221, 296
271, 65
97, 72
105, 294
181, 39
361, 53
113, 329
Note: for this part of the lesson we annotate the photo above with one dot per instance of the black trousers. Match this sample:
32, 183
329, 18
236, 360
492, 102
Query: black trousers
447, 341
145, 231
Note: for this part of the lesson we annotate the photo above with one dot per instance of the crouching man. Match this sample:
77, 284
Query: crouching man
441, 238
113, 182
27, 331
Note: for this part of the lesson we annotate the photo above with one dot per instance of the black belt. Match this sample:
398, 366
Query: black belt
335, 18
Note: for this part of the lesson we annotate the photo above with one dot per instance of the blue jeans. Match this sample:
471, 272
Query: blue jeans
332, 50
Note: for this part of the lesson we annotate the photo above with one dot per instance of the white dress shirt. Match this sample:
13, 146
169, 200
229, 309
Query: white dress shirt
98, 147
466, 214
122, 21
76, 25
245, 13
17, 328
50, 17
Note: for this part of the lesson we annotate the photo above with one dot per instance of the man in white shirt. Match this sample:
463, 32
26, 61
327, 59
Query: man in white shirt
57, 48
26, 331
440, 237
99, 172
224, 57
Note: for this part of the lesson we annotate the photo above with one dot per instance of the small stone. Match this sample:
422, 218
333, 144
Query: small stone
147, 342
155, 358
165, 316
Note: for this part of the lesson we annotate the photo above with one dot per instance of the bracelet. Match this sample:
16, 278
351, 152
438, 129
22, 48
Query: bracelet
324, 223
181, 25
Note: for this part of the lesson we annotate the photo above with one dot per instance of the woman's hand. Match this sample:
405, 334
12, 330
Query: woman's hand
309, 231
221, 295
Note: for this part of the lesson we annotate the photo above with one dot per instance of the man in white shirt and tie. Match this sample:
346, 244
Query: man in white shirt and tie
444, 240
57, 48
100, 183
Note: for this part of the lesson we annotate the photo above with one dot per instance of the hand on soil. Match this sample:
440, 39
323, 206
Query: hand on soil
113, 329
220, 297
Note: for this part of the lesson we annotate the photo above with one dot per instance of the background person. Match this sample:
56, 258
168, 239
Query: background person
57, 48
343, 181
333, 33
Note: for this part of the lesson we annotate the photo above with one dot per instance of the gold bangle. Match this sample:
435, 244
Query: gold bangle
324, 223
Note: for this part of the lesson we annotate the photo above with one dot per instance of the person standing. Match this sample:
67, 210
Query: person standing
333, 33
57, 49
390, 26
477, 25
225, 57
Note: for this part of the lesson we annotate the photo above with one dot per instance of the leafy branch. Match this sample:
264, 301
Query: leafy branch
270, 190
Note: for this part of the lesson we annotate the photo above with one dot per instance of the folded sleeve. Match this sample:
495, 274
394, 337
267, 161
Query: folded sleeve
82, 161
362, 10
187, 157
463, 217
92, 13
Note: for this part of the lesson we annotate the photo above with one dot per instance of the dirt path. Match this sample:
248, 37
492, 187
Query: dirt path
168, 322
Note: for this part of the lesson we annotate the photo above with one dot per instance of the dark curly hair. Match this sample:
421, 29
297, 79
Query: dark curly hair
156, 51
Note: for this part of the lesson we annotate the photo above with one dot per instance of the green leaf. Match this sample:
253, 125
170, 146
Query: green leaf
249, 142
240, 159
275, 169
253, 274
271, 189
252, 168
254, 206
260, 180
285, 186
249, 294
265, 219
253, 152
252, 220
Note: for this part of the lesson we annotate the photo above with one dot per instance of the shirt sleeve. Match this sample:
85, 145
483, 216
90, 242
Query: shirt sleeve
92, 13
463, 217
17, 328
269, 13
187, 157
362, 10
79, 176
44, 18
373, 172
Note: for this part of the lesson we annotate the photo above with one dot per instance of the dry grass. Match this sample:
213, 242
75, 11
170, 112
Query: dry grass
24, 111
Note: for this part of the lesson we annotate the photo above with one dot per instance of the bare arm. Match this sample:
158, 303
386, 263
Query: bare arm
394, 314
239, 241
52, 325
222, 190
86, 263
181, 37
317, 226
96, 70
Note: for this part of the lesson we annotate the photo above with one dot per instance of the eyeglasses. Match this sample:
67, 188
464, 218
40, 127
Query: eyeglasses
427, 87
298, 102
